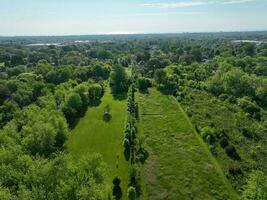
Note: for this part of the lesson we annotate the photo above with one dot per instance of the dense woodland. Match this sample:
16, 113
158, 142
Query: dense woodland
44, 91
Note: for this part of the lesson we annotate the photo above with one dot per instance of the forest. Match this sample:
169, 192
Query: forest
164, 116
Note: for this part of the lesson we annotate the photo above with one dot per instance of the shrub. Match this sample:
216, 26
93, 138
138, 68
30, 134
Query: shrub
107, 115
131, 193
116, 191
208, 134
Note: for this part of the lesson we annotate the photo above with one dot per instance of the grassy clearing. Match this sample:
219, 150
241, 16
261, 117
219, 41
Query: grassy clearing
93, 135
180, 165
2, 65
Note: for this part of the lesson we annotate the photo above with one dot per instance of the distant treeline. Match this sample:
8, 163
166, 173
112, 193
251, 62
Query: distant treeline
24, 40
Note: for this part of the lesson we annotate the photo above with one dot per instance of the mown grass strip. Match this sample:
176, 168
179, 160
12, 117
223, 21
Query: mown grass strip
180, 165
94, 135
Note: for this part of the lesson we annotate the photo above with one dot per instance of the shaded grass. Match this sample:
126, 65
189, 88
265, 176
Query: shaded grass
93, 135
180, 165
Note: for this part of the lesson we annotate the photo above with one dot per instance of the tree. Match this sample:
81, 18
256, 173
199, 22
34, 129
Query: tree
135, 179
160, 76
118, 79
43, 132
16, 60
4, 93
131, 193
7, 111
95, 92
249, 49
73, 107
116, 191
14, 71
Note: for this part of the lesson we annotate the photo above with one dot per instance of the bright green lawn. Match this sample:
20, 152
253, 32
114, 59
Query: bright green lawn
2, 64
92, 134
180, 165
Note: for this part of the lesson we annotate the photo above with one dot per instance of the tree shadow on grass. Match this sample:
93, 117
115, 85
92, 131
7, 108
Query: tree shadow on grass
75, 121
165, 91
119, 95
95, 103
145, 91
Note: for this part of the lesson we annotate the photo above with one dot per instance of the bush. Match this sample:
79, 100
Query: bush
116, 191
208, 134
107, 115
135, 180
131, 193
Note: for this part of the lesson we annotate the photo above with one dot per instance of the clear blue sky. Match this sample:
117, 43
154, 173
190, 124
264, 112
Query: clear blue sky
66, 17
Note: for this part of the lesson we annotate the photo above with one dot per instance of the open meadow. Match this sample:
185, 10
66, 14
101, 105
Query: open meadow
94, 135
179, 165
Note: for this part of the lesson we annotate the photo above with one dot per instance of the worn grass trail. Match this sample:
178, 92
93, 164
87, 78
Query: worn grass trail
180, 165
93, 135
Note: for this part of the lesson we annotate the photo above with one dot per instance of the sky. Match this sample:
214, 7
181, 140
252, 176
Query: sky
81, 17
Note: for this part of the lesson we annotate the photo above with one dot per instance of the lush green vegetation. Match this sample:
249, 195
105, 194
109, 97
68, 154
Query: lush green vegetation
179, 162
94, 135
230, 127
61, 104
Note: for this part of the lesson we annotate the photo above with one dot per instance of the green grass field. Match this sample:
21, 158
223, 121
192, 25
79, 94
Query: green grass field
2, 64
180, 165
93, 135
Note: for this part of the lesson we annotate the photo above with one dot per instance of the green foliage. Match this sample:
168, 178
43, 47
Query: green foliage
5, 194
118, 79
131, 193
134, 180
160, 76
170, 143
235, 132
7, 111
107, 116
15, 71
116, 191
221, 84
74, 105
92, 134
143, 84
59, 75
208, 135
250, 107
43, 132
256, 187
95, 92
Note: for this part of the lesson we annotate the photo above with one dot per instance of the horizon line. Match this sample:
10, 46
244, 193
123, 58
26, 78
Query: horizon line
132, 33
